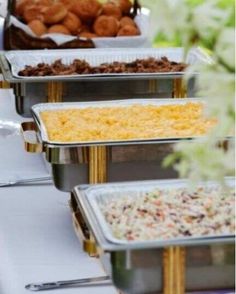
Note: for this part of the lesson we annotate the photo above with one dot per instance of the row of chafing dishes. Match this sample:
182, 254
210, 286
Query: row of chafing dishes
148, 267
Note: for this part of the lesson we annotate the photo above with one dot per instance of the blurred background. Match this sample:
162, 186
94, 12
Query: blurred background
158, 39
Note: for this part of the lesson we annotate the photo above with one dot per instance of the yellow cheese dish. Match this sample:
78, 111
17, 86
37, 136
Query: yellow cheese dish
126, 122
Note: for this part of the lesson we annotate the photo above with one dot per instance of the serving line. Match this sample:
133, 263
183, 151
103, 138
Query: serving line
37, 241
37, 238
32, 90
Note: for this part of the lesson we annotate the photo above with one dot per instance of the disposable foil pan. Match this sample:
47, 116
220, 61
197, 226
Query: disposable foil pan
137, 267
98, 194
32, 90
38, 108
128, 160
19, 59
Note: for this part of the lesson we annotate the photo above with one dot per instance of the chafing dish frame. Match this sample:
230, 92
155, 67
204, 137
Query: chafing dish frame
89, 161
57, 89
38, 108
174, 260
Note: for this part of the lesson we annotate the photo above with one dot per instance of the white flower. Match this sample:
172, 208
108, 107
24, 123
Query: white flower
225, 47
209, 24
208, 19
166, 23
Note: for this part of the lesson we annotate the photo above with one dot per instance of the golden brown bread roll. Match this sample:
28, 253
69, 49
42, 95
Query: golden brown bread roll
58, 29
87, 10
128, 30
44, 2
37, 27
33, 12
111, 9
127, 21
21, 5
87, 35
68, 3
55, 13
72, 22
125, 6
84, 28
106, 26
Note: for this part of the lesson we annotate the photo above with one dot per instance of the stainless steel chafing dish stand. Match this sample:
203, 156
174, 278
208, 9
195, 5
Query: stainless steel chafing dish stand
32, 90
163, 266
99, 162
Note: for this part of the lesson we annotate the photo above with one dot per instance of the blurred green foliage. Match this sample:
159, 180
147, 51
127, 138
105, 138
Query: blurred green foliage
161, 41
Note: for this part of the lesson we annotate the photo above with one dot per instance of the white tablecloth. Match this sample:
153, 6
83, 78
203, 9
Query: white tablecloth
37, 241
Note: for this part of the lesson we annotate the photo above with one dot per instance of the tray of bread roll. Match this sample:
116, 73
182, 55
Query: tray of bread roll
55, 24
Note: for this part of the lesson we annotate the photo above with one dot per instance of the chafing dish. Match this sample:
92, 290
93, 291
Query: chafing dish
175, 266
32, 90
97, 162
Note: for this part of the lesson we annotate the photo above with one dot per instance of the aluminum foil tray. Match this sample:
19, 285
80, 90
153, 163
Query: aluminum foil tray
140, 268
19, 59
97, 194
36, 109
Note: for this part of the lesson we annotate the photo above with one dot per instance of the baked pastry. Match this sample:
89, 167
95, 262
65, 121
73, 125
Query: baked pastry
106, 26
125, 6
128, 30
33, 12
72, 23
67, 3
111, 9
126, 20
55, 13
84, 28
21, 5
37, 27
83, 18
87, 35
87, 10
58, 29
45, 3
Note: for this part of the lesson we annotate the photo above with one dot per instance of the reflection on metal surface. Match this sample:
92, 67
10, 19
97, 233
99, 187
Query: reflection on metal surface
5, 85
174, 270
97, 174
97, 164
180, 88
55, 91
153, 86
32, 147
84, 235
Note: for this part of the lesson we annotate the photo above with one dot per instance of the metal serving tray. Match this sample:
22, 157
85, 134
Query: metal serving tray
91, 195
96, 162
99, 194
19, 59
32, 90
38, 108
139, 267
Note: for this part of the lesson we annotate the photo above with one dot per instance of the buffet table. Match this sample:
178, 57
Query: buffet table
37, 241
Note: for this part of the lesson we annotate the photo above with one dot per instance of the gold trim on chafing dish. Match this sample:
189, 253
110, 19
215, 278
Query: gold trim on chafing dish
174, 270
180, 88
33, 147
55, 91
5, 85
97, 164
